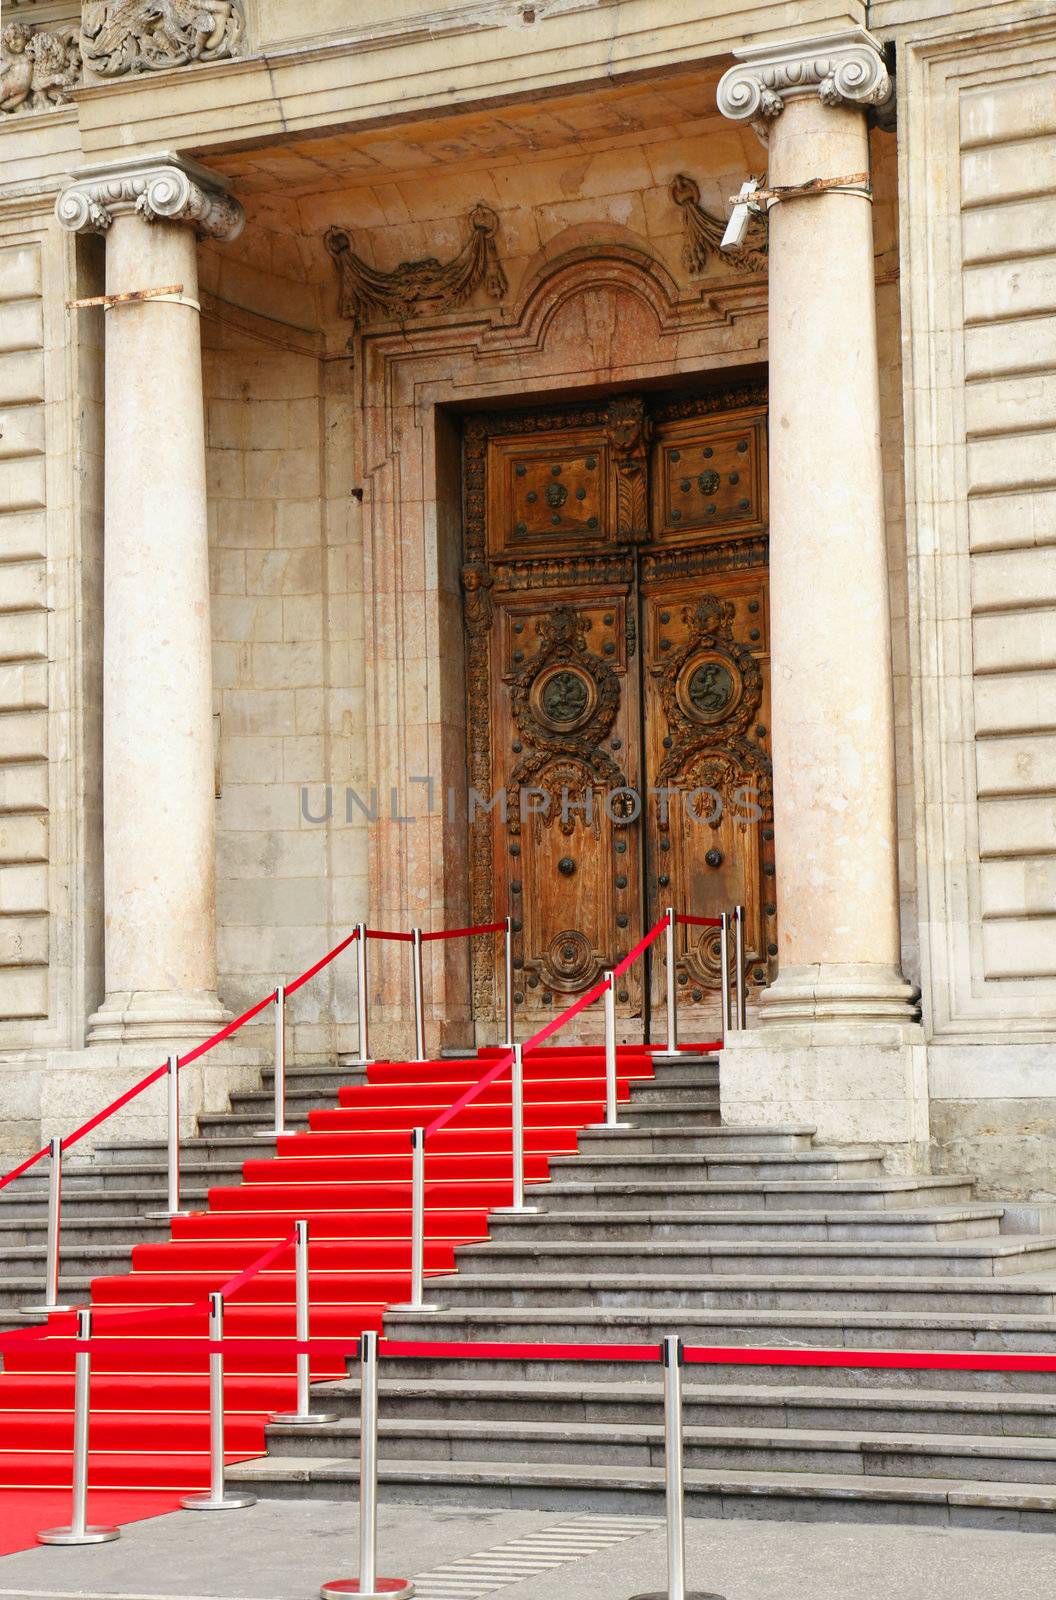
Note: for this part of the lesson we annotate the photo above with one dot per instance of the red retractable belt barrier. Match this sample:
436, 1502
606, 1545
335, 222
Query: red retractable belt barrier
698, 922
390, 933
463, 933
223, 1033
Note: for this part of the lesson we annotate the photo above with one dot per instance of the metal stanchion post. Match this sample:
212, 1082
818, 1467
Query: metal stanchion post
303, 1413
78, 1531
172, 1087
419, 994
738, 977
507, 971
611, 1120
674, 1489
517, 1126
724, 968
361, 995
671, 1046
51, 1271
368, 1586
280, 1068
217, 1499
417, 1303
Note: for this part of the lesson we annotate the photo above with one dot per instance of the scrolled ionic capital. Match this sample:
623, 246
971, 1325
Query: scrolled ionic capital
846, 68
160, 187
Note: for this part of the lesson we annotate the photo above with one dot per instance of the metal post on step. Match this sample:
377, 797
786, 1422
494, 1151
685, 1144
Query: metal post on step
724, 969
417, 1303
671, 1046
517, 1130
217, 1499
361, 994
738, 977
172, 1094
507, 978
368, 1586
51, 1269
280, 1068
674, 1487
78, 1531
303, 1414
419, 994
610, 1058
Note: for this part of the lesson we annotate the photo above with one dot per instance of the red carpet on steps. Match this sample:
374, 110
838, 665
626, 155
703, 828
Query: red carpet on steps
350, 1176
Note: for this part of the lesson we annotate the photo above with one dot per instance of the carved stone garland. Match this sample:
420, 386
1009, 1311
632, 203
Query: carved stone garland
120, 36
38, 67
702, 234
413, 287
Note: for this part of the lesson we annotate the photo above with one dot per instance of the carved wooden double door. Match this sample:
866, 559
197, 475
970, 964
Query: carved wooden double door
616, 609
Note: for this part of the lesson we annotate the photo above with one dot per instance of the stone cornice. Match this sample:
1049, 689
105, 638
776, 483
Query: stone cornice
162, 187
846, 68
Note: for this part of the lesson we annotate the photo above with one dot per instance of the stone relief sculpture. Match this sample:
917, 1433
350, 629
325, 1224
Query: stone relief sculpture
121, 36
38, 67
417, 286
702, 234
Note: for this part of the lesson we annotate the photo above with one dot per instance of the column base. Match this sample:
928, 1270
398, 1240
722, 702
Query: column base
851, 991
855, 1084
163, 1016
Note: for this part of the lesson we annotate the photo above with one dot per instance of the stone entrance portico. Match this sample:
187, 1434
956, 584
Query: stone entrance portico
238, 505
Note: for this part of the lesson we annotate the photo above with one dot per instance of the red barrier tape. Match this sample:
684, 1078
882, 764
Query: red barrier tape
463, 933
698, 922
543, 1034
30, 1161
511, 1352
291, 988
183, 1061
104, 1322
387, 933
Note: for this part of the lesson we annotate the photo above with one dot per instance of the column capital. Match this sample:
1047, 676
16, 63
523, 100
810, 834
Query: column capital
159, 187
845, 68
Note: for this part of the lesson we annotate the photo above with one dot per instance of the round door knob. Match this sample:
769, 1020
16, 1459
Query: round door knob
714, 858
567, 866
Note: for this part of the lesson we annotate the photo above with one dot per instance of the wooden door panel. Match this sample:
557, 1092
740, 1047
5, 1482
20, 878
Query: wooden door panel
584, 528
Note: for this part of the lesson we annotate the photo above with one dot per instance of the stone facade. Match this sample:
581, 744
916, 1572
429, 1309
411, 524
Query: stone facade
363, 231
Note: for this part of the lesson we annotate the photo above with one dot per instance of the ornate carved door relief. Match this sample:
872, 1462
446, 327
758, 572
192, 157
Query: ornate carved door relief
615, 607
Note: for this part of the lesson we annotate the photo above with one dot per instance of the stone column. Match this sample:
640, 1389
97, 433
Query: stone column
158, 785
839, 986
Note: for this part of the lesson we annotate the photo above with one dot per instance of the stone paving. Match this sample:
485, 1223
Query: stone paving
283, 1550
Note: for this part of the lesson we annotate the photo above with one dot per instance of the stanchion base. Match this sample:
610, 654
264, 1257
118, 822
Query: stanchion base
691, 1594
67, 1536
42, 1311
384, 1589
269, 1133
608, 1127
515, 1211
668, 1055
300, 1419
164, 1216
407, 1308
229, 1502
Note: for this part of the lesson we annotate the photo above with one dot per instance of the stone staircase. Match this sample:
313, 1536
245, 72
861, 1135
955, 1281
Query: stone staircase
728, 1236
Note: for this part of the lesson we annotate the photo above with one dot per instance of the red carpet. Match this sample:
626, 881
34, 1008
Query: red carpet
350, 1176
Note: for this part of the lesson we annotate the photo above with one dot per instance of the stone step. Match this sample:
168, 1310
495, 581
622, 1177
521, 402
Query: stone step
635, 1141
735, 1404
104, 1230
714, 1448
726, 1292
757, 1327
532, 1256
608, 1488
800, 1192
757, 1165
131, 1199
698, 1113
977, 1221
